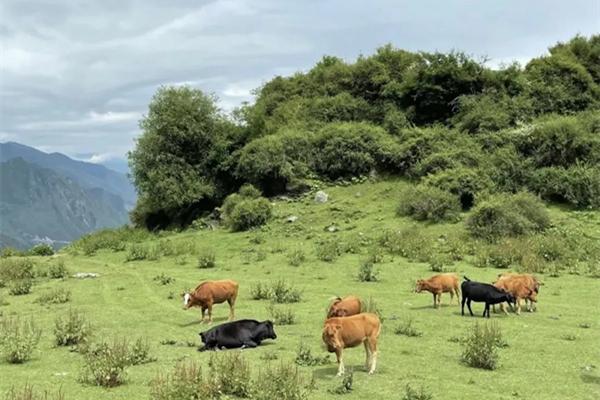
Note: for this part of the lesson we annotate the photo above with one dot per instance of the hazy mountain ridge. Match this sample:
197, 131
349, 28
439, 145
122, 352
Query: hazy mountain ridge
38, 204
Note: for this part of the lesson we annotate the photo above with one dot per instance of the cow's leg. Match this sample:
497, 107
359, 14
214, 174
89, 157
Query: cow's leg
338, 354
462, 308
451, 297
231, 308
368, 355
469, 306
439, 300
434, 301
373, 350
518, 306
209, 307
203, 312
249, 344
457, 295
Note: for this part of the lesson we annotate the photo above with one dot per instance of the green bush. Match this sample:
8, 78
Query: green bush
407, 328
578, 185
105, 362
18, 339
57, 270
411, 393
346, 385
296, 257
111, 239
480, 346
281, 316
41, 249
139, 352
424, 203
282, 292
183, 382
250, 213
260, 291
207, 258
55, 296
12, 269
19, 287
72, 329
328, 250
508, 215
282, 381
367, 272
11, 252
465, 183
141, 252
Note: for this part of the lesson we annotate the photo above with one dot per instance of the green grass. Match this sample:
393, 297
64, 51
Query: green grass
126, 301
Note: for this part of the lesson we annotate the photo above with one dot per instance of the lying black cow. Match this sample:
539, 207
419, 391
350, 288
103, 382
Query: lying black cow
483, 292
243, 333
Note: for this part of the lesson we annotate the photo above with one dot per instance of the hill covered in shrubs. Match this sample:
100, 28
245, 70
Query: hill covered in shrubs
461, 131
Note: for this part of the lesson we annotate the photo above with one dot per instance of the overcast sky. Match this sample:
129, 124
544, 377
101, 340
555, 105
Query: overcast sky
76, 76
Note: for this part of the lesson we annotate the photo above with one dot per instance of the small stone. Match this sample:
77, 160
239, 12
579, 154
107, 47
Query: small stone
332, 228
321, 197
84, 275
291, 218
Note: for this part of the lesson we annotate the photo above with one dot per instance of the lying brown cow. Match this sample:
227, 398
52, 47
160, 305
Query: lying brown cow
521, 286
349, 305
343, 332
438, 284
212, 292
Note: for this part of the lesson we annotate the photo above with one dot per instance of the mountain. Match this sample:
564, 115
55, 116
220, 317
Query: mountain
87, 175
39, 205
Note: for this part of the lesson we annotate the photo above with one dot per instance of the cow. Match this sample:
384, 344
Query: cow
521, 286
212, 292
244, 333
349, 305
344, 332
482, 292
438, 284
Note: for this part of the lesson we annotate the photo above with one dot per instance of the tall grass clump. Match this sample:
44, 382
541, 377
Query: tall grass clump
280, 381
367, 272
260, 291
141, 252
20, 287
206, 258
72, 329
480, 346
28, 392
328, 250
296, 257
306, 358
230, 375
41, 249
15, 269
283, 292
57, 270
110, 239
428, 203
55, 296
411, 393
183, 382
105, 362
18, 339
281, 316
406, 328
508, 215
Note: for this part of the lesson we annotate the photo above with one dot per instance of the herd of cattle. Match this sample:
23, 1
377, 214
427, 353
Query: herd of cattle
346, 324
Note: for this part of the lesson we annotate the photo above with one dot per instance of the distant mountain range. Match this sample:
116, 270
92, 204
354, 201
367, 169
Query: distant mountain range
55, 199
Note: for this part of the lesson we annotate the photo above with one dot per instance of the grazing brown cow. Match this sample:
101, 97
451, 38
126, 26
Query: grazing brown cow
344, 332
212, 292
521, 286
438, 284
349, 305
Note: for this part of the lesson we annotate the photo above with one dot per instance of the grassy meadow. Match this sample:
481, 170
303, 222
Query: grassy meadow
553, 353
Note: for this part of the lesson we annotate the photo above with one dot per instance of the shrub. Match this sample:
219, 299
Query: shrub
55, 296
11, 252
104, 363
305, 357
370, 306
57, 270
112, 239
282, 292
480, 346
282, 381
139, 353
413, 394
464, 183
18, 339
578, 185
410, 243
425, 203
328, 250
41, 249
163, 279
260, 291
367, 273
19, 287
346, 385
28, 392
508, 215
250, 213
207, 258
249, 191
184, 382
406, 328
296, 257
503, 254
73, 329
230, 375
140, 252
15, 269
281, 316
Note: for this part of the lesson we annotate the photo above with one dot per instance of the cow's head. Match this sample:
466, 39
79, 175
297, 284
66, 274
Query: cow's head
510, 298
270, 331
419, 286
187, 299
335, 310
331, 336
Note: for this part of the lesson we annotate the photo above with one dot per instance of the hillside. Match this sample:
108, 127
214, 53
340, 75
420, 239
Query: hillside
37, 204
549, 354
86, 175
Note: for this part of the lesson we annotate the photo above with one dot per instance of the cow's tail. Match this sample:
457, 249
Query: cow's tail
466, 279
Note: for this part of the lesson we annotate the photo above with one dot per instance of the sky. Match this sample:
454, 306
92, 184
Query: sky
76, 76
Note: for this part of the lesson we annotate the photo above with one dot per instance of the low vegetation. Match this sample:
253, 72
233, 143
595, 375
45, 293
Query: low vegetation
72, 329
18, 339
481, 344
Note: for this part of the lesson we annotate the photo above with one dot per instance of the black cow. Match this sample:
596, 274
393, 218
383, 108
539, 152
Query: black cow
242, 333
483, 292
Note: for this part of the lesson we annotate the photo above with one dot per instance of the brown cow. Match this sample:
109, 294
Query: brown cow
212, 292
438, 284
349, 305
344, 332
521, 286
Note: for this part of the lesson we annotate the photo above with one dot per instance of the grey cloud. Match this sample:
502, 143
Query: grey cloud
76, 75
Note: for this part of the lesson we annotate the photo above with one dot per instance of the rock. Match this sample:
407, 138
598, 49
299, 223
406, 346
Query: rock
291, 218
321, 197
332, 228
84, 275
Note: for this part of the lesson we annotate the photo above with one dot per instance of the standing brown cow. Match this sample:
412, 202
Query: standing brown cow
343, 332
349, 305
438, 284
212, 292
521, 286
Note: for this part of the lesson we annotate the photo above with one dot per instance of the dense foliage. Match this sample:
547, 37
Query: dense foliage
446, 119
